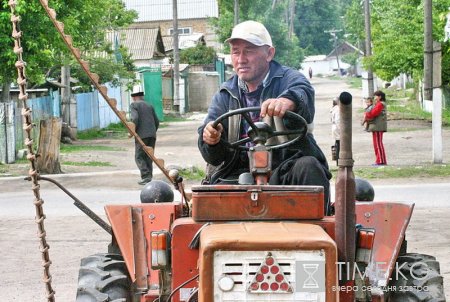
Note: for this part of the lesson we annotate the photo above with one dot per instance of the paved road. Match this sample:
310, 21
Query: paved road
72, 236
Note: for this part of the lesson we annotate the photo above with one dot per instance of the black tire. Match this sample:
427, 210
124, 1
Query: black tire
103, 277
419, 279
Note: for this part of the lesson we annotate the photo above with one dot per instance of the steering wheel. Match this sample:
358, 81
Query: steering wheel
260, 132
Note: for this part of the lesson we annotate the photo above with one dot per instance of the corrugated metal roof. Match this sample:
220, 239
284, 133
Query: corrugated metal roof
168, 43
184, 41
142, 43
345, 48
159, 10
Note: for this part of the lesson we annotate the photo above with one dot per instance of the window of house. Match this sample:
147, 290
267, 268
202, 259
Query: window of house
182, 31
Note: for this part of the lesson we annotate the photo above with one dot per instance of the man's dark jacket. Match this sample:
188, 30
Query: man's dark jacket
281, 82
144, 117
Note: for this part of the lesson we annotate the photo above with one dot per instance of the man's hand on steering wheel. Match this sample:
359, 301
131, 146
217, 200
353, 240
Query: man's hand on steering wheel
258, 133
270, 107
211, 135
277, 107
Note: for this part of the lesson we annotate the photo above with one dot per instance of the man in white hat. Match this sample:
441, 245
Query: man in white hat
261, 81
146, 123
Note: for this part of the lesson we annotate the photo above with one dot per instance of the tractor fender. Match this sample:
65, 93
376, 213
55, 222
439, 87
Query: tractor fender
132, 226
390, 220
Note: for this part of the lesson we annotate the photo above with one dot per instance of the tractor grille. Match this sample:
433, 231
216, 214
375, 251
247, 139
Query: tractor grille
268, 276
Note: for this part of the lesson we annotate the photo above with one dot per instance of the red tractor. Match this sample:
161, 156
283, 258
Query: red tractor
259, 242
248, 242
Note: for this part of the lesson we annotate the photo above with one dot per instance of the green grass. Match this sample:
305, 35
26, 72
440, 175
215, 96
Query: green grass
3, 168
88, 164
116, 129
386, 172
169, 118
66, 148
354, 82
411, 109
193, 173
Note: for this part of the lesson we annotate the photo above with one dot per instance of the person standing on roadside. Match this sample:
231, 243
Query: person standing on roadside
144, 118
369, 106
377, 117
261, 81
335, 129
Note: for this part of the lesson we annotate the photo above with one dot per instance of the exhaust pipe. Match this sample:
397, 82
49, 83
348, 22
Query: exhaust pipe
345, 193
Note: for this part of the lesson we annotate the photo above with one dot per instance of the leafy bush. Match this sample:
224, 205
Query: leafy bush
198, 55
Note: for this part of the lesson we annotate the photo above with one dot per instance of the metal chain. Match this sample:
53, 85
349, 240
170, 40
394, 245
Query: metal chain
31, 156
111, 101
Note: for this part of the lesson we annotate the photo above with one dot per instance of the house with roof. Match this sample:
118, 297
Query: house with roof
330, 64
193, 16
145, 45
150, 43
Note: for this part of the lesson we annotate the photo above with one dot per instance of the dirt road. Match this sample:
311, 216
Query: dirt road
72, 235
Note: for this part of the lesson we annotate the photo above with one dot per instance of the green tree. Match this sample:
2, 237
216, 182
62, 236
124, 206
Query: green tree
397, 36
288, 51
313, 18
85, 20
200, 54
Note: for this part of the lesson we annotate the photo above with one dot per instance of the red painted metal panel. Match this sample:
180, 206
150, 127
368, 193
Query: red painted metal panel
390, 221
184, 260
236, 203
277, 236
155, 216
120, 218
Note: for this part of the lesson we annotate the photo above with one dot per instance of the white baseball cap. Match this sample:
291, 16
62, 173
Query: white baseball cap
251, 31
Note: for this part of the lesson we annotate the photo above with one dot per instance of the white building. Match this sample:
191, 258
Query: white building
193, 17
328, 64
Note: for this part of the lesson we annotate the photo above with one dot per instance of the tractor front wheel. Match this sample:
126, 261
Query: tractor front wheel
103, 277
415, 278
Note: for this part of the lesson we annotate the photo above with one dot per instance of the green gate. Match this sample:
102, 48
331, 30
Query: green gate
220, 68
151, 80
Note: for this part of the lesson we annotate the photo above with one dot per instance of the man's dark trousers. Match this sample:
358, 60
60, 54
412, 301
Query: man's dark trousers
143, 161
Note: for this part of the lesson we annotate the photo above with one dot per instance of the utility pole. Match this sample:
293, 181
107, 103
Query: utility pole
274, 2
333, 34
236, 12
432, 92
65, 94
176, 61
368, 47
291, 18
428, 52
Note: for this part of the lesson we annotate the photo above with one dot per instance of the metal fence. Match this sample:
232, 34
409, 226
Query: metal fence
92, 112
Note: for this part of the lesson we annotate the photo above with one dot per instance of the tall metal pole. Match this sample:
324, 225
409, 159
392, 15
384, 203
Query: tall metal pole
176, 61
368, 47
428, 52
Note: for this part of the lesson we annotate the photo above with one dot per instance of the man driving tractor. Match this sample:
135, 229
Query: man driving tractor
262, 82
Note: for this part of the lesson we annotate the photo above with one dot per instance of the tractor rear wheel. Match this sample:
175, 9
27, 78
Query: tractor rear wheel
103, 277
416, 278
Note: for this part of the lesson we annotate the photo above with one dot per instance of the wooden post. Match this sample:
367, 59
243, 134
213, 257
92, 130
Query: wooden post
49, 143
